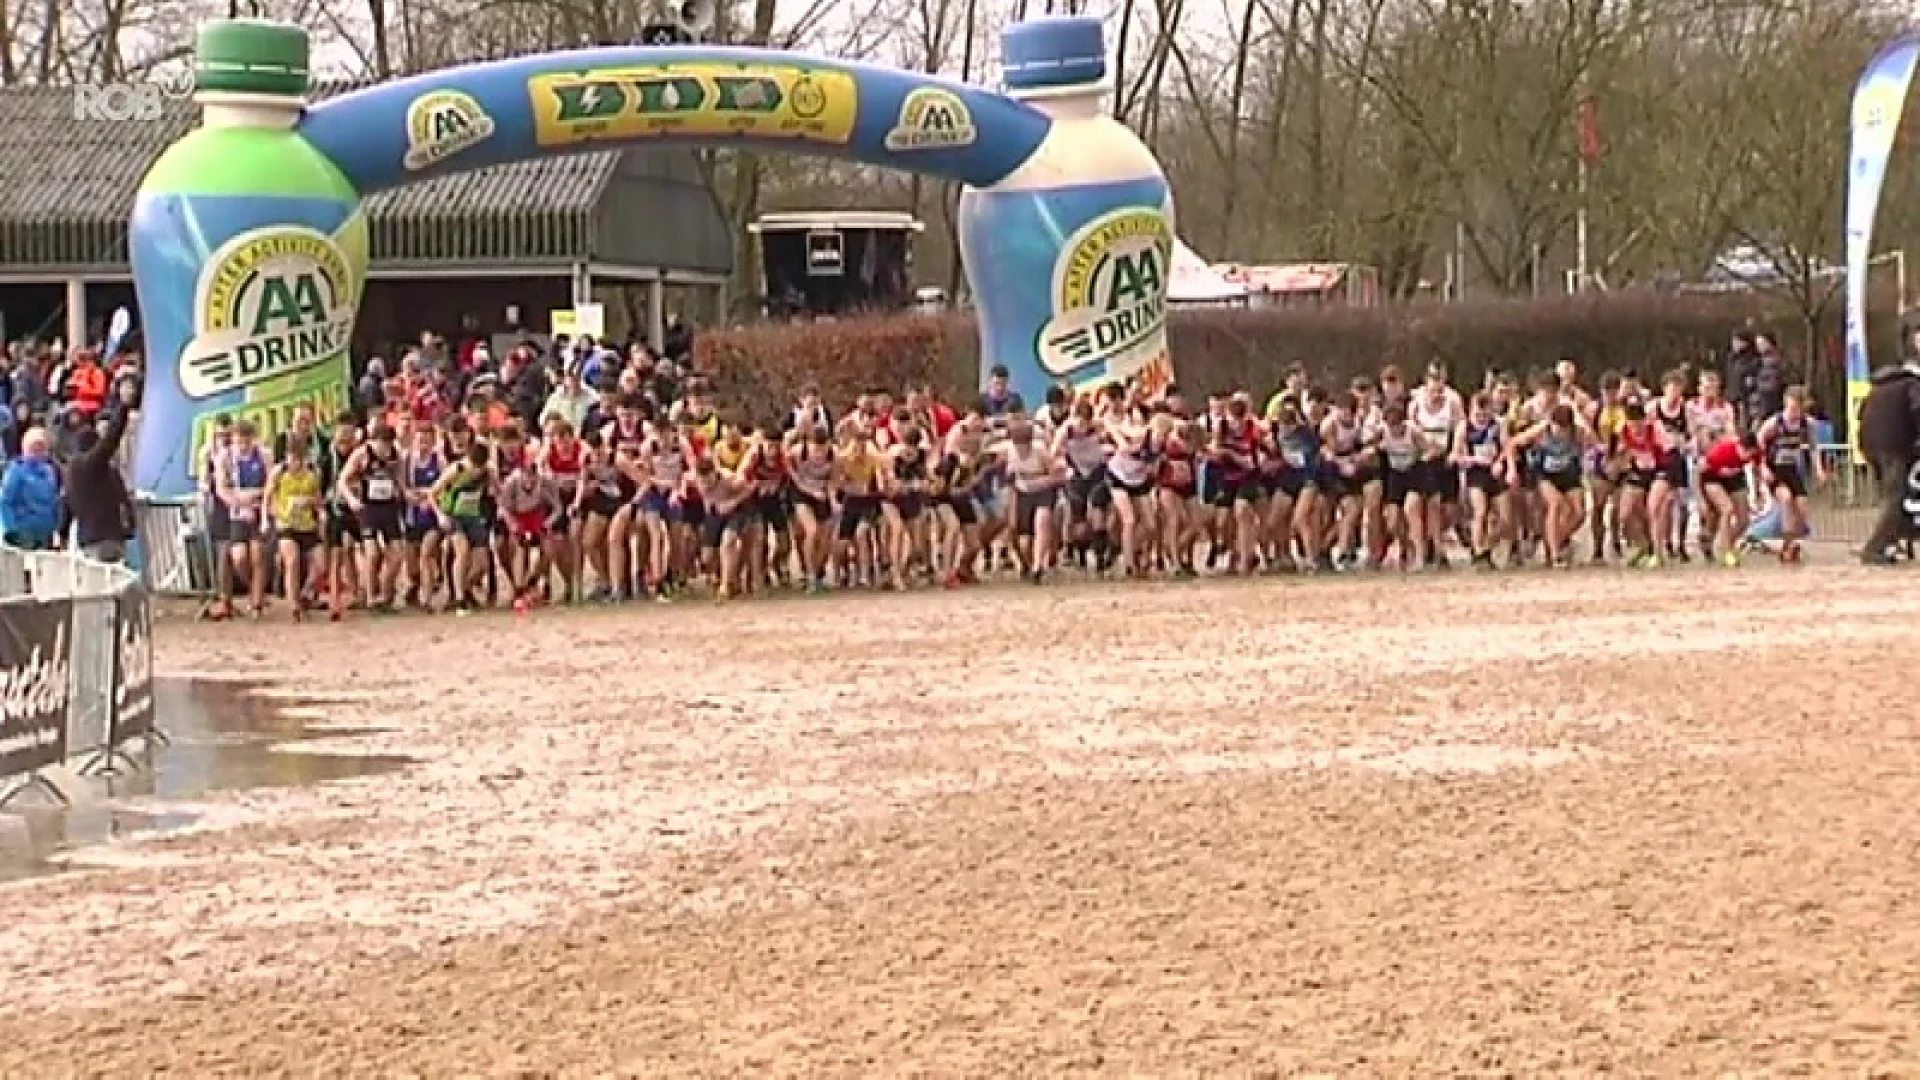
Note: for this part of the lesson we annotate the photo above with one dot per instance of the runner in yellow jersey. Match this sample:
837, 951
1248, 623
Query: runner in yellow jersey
294, 497
856, 483
1607, 414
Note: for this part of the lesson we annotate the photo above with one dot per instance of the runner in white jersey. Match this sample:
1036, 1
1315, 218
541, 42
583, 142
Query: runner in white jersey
1083, 444
1373, 527
1130, 469
1036, 477
1348, 467
1710, 420
1436, 413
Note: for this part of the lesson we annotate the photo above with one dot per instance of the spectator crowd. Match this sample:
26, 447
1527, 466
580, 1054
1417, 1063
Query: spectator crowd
64, 415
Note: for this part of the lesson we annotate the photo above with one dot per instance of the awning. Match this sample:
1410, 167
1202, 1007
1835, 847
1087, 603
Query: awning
1192, 281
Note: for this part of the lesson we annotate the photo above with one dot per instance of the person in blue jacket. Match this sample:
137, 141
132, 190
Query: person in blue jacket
30, 495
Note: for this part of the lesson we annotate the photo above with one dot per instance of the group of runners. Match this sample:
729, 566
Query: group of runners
651, 502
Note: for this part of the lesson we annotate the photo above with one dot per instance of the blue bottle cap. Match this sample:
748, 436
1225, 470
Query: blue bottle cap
1053, 51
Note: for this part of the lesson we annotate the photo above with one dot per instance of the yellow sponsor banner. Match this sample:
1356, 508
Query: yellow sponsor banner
695, 100
1857, 390
270, 405
1152, 373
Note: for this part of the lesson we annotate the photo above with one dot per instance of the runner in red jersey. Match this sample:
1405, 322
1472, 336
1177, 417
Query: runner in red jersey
563, 460
766, 468
1643, 488
1234, 459
1174, 489
1723, 490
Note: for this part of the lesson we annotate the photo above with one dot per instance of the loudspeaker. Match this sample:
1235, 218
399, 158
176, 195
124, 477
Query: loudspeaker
696, 17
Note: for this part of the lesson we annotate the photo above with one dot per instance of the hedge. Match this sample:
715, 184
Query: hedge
758, 369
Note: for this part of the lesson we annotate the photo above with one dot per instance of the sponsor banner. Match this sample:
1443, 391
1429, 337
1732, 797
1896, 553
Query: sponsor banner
36, 665
770, 100
1910, 501
1878, 100
132, 665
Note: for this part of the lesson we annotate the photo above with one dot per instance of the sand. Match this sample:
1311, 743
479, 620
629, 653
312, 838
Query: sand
1519, 824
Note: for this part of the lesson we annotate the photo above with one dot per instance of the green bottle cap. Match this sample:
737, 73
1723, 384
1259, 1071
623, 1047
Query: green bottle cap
251, 56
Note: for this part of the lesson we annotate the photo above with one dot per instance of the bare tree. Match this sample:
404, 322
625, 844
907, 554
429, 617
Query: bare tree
1787, 203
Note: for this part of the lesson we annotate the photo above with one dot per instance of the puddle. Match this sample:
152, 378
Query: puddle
222, 736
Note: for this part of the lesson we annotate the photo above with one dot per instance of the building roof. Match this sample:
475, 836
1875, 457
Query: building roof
67, 186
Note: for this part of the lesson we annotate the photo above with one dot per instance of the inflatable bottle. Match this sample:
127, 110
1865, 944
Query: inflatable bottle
249, 252
1068, 256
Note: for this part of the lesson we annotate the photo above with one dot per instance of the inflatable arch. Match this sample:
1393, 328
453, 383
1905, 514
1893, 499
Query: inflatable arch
249, 246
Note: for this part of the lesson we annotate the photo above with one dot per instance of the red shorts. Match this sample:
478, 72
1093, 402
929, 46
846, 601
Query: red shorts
531, 525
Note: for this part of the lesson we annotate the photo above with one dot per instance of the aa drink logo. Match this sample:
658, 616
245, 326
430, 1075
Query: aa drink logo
269, 303
1110, 298
932, 119
441, 124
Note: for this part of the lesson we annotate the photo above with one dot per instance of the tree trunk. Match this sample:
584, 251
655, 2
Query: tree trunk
1121, 99
382, 46
8, 73
744, 206
1319, 213
1236, 100
49, 39
956, 267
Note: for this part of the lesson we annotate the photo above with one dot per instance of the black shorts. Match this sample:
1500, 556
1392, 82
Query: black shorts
1566, 481
219, 526
909, 505
1026, 509
1641, 479
821, 509
771, 507
419, 528
1088, 491
964, 510
381, 521
602, 504
693, 513
1733, 483
1396, 485
1791, 479
1132, 491
855, 511
305, 540
478, 530
1438, 480
242, 531
1328, 481
1225, 489
343, 525
1674, 472
1482, 479
715, 525
1289, 483
1526, 472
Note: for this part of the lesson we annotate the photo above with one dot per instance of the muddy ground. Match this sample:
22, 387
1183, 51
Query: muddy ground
1525, 824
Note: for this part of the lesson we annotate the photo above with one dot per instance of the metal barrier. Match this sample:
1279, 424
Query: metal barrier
176, 556
1844, 508
76, 636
